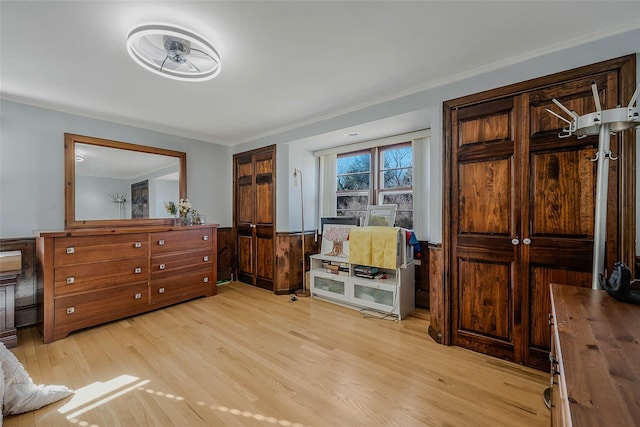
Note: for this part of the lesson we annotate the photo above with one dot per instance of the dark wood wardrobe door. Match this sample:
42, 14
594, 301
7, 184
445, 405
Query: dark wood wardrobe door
484, 209
559, 210
254, 216
244, 211
521, 207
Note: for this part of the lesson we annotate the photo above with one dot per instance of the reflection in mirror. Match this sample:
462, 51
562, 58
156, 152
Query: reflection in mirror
116, 183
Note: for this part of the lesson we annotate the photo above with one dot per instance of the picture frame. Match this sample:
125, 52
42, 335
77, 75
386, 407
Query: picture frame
335, 240
336, 226
344, 220
381, 215
140, 199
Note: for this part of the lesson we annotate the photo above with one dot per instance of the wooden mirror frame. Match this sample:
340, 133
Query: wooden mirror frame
70, 220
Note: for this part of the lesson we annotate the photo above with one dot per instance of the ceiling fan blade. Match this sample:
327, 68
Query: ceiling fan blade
192, 65
202, 63
151, 49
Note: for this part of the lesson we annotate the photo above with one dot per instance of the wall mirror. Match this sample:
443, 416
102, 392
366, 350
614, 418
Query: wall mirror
112, 183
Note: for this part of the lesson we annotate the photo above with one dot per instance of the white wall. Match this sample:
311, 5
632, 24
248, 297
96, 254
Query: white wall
96, 203
32, 167
302, 159
163, 191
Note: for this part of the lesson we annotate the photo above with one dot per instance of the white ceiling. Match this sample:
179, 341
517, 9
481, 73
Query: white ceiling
284, 64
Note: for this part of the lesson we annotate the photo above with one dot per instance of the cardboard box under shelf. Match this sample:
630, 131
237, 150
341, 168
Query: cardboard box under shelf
10, 261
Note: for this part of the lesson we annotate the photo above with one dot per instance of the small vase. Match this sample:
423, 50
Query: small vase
176, 220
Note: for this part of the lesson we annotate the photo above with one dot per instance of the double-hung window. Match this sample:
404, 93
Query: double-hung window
376, 176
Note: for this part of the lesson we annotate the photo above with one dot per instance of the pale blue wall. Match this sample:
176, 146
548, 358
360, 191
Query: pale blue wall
32, 167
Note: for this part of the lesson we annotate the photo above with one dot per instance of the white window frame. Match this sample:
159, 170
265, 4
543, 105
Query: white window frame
375, 194
420, 141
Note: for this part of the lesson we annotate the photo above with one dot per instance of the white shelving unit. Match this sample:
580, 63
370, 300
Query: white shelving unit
394, 295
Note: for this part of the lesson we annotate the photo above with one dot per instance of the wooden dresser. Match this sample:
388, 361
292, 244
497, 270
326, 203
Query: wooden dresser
595, 359
92, 276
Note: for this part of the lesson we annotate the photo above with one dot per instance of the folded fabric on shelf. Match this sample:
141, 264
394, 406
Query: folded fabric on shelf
374, 246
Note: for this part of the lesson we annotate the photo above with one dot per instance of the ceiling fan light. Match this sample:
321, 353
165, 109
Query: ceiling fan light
163, 49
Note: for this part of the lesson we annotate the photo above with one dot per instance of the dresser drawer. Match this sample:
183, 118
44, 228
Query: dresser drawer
92, 308
186, 286
95, 276
85, 249
180, 262
181, 240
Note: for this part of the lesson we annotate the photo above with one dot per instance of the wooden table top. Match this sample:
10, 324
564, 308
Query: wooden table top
600, 348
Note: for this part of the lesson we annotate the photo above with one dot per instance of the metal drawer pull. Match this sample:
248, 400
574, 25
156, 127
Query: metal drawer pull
71, 310
162, 266
137, 270
205, 237
71, 250
161, 291
71, 280
161, 242
206, 258
138, 296
137, 245
205, 280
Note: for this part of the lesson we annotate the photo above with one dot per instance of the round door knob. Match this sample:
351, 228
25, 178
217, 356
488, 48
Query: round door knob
526, 241
515, 241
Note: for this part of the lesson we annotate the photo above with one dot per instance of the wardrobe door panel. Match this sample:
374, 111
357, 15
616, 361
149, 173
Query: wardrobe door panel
563, 189
485, 200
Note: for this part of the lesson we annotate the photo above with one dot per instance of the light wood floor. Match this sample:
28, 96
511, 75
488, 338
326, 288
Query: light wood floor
247, 357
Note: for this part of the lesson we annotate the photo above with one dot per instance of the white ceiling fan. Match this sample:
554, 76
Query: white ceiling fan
174, 52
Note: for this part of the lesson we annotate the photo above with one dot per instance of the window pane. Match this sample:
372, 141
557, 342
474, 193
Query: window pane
397, 157
355, 205
404, 220
404, 201
351, 164
354, 172
404, 212
352, 214
398, 178
356, 181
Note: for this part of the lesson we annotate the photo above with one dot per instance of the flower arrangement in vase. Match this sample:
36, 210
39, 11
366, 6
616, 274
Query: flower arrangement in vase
183, 212
184, 208
173, 210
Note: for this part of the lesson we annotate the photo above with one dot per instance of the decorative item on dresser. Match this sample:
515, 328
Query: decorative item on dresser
595, 375
93, 276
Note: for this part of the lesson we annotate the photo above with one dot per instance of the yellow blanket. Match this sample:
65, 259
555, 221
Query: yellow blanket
373, 246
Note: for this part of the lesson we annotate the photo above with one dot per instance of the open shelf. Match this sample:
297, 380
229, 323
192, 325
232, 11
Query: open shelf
392, 295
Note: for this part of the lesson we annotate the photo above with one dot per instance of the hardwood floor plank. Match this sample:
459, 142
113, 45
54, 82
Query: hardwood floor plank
247, 357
